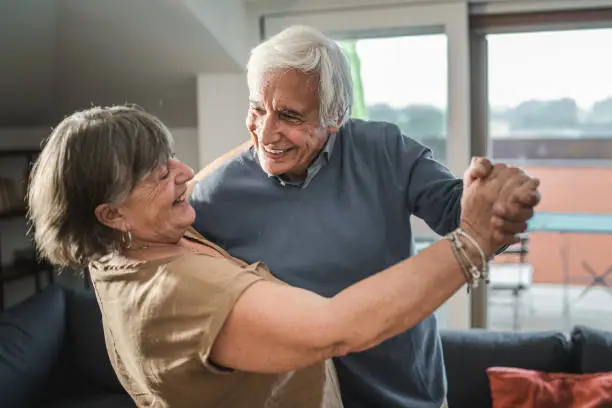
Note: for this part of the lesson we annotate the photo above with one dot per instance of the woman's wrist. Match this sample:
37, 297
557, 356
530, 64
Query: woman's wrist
483, 244
470, 255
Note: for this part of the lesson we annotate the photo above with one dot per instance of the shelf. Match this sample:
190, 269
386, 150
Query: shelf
19, 152
10, 273
13, 214
13, 273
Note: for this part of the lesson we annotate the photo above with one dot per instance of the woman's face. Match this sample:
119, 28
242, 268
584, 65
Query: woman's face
158, 210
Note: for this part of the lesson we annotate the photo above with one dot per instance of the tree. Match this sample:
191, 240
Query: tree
424, 122
383, 112
417, 121
555, 114
601, 112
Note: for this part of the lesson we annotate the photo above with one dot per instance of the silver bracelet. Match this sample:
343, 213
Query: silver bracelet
484, 272
474, 274
458, 256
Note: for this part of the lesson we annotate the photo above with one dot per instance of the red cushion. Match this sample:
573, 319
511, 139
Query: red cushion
520, 388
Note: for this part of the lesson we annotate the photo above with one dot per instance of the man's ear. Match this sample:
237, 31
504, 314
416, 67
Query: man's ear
332, 129
109, 215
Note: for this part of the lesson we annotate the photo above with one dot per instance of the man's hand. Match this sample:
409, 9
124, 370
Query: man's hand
515, 204
514, 208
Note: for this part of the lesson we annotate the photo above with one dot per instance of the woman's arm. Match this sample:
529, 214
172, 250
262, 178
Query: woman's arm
278, 328
215, 164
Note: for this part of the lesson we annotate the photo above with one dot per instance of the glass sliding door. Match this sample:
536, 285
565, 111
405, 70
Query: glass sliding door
550, 112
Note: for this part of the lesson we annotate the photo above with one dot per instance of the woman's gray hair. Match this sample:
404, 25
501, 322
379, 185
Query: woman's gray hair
306, 49
92, 157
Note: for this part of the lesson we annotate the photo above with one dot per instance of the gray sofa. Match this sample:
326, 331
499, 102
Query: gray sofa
468, 354
52, 355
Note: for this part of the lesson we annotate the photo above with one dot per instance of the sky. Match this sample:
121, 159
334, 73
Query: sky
545, 65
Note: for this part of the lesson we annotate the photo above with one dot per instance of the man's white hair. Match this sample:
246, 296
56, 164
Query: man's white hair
306, 49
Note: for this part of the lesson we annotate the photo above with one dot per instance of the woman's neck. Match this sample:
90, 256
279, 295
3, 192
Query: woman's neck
159, 250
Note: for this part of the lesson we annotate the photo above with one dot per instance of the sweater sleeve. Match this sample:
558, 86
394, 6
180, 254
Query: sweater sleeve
431, 192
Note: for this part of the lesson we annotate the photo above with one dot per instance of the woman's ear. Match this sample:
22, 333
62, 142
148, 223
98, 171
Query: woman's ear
109, 215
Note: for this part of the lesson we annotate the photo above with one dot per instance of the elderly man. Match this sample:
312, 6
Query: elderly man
326, 201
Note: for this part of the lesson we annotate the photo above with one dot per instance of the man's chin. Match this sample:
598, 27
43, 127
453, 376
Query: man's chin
272, 170
273, 173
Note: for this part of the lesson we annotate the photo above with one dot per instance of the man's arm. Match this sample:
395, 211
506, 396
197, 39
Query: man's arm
433, 193
215, 164
430, 191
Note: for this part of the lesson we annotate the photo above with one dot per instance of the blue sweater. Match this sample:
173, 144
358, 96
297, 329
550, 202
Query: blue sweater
350, 221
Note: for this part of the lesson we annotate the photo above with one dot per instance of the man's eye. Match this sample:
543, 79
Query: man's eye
289, 117
258, 110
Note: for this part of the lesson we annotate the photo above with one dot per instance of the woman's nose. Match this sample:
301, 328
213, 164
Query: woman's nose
184, 172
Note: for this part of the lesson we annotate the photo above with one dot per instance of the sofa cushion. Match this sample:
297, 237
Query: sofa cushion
592, 350
85, 340
31, 337
519, 388
468, 354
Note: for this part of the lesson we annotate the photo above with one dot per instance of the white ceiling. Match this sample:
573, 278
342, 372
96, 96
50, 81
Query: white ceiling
63, 55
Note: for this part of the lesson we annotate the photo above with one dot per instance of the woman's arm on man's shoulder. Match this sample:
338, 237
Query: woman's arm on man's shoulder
215, 164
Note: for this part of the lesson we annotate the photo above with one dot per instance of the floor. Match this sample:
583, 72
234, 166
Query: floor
542, 308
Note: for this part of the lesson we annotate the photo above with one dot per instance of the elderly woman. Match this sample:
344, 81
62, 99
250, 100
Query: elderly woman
188, 325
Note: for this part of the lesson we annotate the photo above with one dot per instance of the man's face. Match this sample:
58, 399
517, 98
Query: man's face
284, 122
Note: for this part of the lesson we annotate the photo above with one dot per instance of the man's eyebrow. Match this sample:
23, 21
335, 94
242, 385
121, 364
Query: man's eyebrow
254, 102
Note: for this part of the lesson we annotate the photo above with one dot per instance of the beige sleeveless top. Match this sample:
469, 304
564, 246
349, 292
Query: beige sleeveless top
161, 319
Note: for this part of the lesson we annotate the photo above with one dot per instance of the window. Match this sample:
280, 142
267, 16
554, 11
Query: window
551, 96
550, 111
403, 80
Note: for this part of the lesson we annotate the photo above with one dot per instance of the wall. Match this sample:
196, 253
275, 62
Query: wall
222, 106
187, 146
227, 21
570, 189
12, 232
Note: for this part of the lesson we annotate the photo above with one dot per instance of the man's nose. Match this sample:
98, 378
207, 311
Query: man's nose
269, 131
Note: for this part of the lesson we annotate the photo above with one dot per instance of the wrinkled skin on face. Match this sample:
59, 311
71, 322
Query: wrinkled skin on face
157, 210
285, 123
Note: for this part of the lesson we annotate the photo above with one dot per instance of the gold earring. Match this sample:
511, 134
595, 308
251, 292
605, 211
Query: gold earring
126, 239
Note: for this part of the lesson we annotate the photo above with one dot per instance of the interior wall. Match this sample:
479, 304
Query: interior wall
222, 106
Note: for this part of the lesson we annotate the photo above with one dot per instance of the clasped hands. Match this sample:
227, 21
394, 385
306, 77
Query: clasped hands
516, 196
